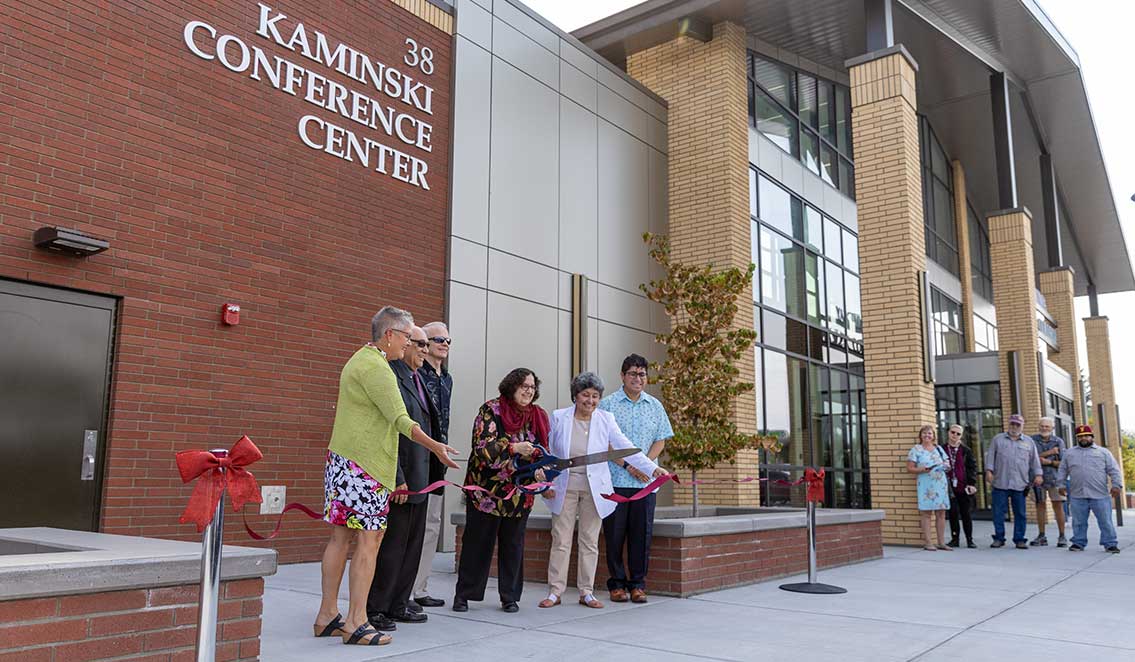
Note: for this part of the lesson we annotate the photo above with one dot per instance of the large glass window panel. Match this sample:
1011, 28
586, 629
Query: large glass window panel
786, 402
752, 193
851, 251
777, 79
826, 110
810, 150
833, 245
938, 162
828, 164
846, 178
813, 229
755, 256
944, 212
777, 207
836, 317
813, 286
758, 387
784, 333
776, 123
818, 408
779, 258
806, 87
842, 120
854, 315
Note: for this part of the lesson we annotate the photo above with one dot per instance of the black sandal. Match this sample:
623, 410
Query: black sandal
334, 627
362, 632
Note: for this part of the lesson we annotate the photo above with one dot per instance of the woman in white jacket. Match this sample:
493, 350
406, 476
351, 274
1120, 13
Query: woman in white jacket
583, 429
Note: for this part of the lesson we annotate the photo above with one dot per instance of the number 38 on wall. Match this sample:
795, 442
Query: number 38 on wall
421, 57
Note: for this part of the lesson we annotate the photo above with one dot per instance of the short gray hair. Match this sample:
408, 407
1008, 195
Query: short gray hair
1047, 419
584, 381
388, 318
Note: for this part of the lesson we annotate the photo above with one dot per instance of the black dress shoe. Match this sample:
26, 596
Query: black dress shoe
414, 607
430, 601
460, 604
382, 623
510, 607
407, 616
970, 544
1112, 550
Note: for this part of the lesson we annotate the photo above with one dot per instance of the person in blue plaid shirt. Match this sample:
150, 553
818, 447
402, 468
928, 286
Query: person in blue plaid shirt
643, 419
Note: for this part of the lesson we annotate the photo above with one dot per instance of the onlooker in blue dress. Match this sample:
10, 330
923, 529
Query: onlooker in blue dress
930, 463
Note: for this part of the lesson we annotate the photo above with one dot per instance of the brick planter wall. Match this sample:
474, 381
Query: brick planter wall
141, 625
690, 565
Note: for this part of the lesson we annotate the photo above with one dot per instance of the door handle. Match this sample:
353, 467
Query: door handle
90, 448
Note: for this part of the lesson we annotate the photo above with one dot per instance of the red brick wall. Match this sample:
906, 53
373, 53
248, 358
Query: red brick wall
199, 180
686, 566
143, 625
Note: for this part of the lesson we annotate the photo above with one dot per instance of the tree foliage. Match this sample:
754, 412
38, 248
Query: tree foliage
700, 380
1127, 445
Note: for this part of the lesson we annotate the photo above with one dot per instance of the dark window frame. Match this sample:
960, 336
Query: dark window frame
935, 239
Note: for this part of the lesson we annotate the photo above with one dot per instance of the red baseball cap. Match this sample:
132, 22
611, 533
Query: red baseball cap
1084, 431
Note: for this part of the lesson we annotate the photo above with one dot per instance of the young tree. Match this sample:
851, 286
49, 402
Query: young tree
700, 378
1127, 446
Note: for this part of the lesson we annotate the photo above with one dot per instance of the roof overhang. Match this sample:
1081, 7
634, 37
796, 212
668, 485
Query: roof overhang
957, 44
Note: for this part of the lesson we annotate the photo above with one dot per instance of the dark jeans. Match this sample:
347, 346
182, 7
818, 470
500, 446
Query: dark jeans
961, 505
631, 524
481, 532
398, 556
1001, 501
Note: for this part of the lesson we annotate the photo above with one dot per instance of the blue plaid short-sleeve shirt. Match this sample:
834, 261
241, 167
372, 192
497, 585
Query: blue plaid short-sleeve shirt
644, 422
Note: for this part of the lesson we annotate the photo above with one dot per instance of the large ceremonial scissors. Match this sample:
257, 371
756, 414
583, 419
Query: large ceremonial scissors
553, 466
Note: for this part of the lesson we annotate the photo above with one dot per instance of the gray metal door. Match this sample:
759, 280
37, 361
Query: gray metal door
55, 349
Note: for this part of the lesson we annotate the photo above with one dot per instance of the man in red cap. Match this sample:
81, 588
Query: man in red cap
1089, 467
1011, 465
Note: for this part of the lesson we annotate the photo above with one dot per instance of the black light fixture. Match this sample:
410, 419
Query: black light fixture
72, 242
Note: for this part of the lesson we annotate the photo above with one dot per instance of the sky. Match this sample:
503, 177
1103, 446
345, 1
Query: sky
1098, 31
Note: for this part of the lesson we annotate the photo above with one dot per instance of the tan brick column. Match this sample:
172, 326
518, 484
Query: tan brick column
965, 271
1100, 376
1058, 290
1014, 294
706, 86
888, 186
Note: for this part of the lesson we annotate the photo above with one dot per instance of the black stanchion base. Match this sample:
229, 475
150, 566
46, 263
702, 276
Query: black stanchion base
817, 588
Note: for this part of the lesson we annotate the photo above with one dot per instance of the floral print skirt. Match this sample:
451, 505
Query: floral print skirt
352, 497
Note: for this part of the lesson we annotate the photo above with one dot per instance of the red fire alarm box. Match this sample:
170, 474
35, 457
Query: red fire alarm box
230, 314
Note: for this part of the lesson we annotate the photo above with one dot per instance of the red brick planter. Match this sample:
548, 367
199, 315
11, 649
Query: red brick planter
690, 556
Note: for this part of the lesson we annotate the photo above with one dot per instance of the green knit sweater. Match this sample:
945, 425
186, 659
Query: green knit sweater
369, 415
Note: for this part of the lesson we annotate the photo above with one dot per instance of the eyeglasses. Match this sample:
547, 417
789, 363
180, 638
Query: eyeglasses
422, 344
635, 375
442, 341
405, 333
527, 387
955, 431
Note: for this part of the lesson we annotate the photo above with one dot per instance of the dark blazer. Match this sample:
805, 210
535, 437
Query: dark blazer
414, 459
968, 461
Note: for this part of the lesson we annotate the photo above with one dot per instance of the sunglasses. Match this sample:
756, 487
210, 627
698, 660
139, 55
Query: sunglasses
442, 341
422, 344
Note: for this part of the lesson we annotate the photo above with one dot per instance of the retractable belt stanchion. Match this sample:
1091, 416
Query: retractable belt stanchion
210, 577
815, 482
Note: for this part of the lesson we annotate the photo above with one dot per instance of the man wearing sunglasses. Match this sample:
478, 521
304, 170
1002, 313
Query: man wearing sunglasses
643, 419
439, 384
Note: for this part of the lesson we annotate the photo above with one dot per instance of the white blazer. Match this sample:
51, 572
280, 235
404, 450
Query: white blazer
605, 434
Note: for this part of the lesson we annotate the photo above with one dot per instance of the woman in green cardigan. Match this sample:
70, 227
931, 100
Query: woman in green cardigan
362, 462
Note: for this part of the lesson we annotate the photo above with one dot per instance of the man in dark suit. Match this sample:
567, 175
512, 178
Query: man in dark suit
397, 566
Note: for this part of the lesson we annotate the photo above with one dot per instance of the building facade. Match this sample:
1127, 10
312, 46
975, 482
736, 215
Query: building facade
204, 205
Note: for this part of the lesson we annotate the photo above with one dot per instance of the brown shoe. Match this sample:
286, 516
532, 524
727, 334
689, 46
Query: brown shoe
638, 595
619, 595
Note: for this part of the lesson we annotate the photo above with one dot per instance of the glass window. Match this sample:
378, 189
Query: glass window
806, 86
752, 193
779, 257
786, 402
776, 79
846, 178
949, 337
980, 266
776, 123
778, 207
984, 335
784, 333
813, 229
813, 289
758, 381
755, 249
836, 320
828, 164
810, 150
827, 112
842, 120
854, 308
850, 251
938, 201
833, 245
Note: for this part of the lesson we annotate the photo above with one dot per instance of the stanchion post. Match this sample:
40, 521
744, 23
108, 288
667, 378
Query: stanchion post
811, 542
210, 579
812, 586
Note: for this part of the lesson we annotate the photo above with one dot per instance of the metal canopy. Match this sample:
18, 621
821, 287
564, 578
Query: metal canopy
957, 44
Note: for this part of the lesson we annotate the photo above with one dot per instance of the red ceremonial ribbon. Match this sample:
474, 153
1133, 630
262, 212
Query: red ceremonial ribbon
213, 481
813, 477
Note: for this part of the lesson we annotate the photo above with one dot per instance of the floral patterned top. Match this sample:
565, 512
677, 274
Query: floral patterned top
491, 464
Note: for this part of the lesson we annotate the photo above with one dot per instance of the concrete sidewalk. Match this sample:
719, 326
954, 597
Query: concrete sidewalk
984, 604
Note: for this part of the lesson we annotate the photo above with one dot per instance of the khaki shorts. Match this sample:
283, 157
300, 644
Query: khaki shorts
1052, 492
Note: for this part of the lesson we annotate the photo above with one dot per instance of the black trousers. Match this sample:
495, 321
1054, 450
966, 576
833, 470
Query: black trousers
481, 532
630, 526
397, 565
961, 505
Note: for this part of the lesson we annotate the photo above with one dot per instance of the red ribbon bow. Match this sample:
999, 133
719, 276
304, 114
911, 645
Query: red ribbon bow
815, 480
207, 492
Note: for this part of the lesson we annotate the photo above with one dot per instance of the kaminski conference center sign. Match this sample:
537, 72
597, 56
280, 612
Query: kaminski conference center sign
380, 104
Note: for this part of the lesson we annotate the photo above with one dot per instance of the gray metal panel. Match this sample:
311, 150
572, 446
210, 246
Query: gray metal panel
525, 164
1057, 380
469, 199
579, 189
624, 114
623, 307
468, 262
578, 59
525, 54
523, 334
526, 25
659, 208
615, 343
624, 209
984, 308
944, 281
578, 86
476, 24
522, 278
467, 325
973, 368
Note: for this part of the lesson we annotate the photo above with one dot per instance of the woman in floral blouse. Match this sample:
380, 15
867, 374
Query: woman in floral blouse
929, 462
506, 428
